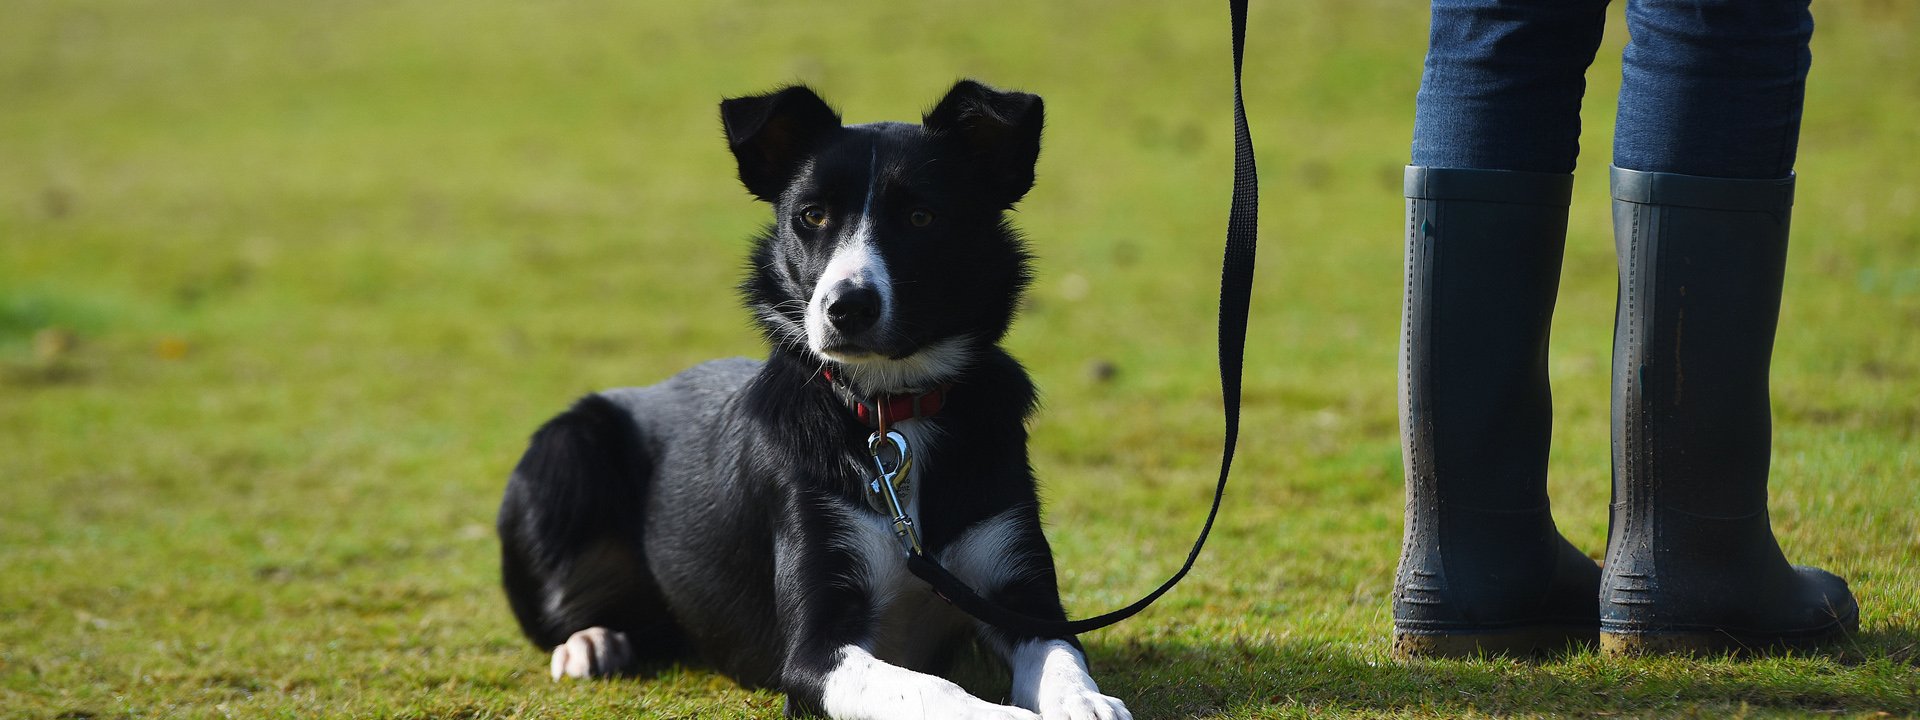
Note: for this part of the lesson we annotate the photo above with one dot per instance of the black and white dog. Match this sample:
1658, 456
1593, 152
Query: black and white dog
720, 518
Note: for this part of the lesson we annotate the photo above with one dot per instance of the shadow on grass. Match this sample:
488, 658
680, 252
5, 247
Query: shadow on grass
1877, 670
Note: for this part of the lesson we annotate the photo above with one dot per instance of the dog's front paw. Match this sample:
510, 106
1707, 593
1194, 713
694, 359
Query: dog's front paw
590, 653
1081, 703
1050, 676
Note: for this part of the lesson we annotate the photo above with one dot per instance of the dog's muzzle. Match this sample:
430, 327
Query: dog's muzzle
851, 309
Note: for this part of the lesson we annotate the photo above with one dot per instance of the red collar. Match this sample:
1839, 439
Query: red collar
891, 407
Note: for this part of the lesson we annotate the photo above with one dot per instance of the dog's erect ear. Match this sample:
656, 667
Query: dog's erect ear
1000, 128
771, 133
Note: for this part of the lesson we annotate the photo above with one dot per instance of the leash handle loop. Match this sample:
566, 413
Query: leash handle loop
1236, 292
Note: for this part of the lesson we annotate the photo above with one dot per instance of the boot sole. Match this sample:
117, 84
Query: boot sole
1714, 642
1520, 642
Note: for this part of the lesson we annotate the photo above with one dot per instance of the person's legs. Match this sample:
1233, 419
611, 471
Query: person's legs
1502, 84
1703, 190
1713, 88
1482, 567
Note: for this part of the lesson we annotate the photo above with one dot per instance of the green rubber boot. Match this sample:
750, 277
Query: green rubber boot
1482, 567
1692, 565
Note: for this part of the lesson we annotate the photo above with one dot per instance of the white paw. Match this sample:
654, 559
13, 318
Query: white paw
1051, 677
590, 653
1079, 703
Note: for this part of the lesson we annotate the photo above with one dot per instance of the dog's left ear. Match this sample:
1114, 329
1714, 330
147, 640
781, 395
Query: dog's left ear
1000, 129
771, 134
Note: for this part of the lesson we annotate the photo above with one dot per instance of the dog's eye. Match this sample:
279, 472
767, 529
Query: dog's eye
813, 216
921, 217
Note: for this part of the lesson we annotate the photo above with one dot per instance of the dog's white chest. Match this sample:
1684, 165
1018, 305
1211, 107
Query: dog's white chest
911, 623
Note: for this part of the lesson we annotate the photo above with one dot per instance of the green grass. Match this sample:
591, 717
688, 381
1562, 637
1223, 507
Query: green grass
284, 286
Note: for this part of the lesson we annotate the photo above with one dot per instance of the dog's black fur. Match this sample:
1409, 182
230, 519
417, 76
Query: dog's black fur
718, 518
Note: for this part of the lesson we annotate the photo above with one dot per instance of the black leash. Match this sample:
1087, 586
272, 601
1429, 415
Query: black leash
1236, 288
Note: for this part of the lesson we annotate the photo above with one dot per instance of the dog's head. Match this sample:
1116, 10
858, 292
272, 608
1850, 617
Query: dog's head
889, 254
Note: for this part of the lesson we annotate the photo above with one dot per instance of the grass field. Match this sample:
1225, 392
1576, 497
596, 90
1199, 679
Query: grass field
284, 287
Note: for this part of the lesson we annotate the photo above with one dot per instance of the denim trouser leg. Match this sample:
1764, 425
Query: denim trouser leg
1713, 88
1503, 81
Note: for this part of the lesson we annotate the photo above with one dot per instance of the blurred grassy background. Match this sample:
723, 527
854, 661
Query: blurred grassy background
284, 286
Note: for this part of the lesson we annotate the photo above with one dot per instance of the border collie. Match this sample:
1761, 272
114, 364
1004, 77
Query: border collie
722, 518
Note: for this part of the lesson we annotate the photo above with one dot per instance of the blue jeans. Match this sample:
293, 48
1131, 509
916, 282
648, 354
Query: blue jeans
1709, 87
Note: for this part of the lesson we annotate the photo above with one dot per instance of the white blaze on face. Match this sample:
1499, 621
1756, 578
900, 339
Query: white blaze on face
854, 260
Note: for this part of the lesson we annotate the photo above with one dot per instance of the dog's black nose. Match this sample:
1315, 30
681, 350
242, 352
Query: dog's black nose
852, 308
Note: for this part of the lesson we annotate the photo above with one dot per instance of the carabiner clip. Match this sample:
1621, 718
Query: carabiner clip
883, 491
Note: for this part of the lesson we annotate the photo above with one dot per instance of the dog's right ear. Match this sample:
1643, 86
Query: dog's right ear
771, 133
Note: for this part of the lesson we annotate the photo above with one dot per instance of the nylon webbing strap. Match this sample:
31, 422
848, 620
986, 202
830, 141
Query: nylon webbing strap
1236, 289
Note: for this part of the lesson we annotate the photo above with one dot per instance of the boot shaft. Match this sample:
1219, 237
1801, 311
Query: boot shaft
1483, 268
1702, 261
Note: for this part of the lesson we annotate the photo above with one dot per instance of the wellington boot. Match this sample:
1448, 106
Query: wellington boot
1692, 565
1482, 567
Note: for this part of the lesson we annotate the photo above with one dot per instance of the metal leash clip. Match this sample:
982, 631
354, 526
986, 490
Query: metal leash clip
883, 491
